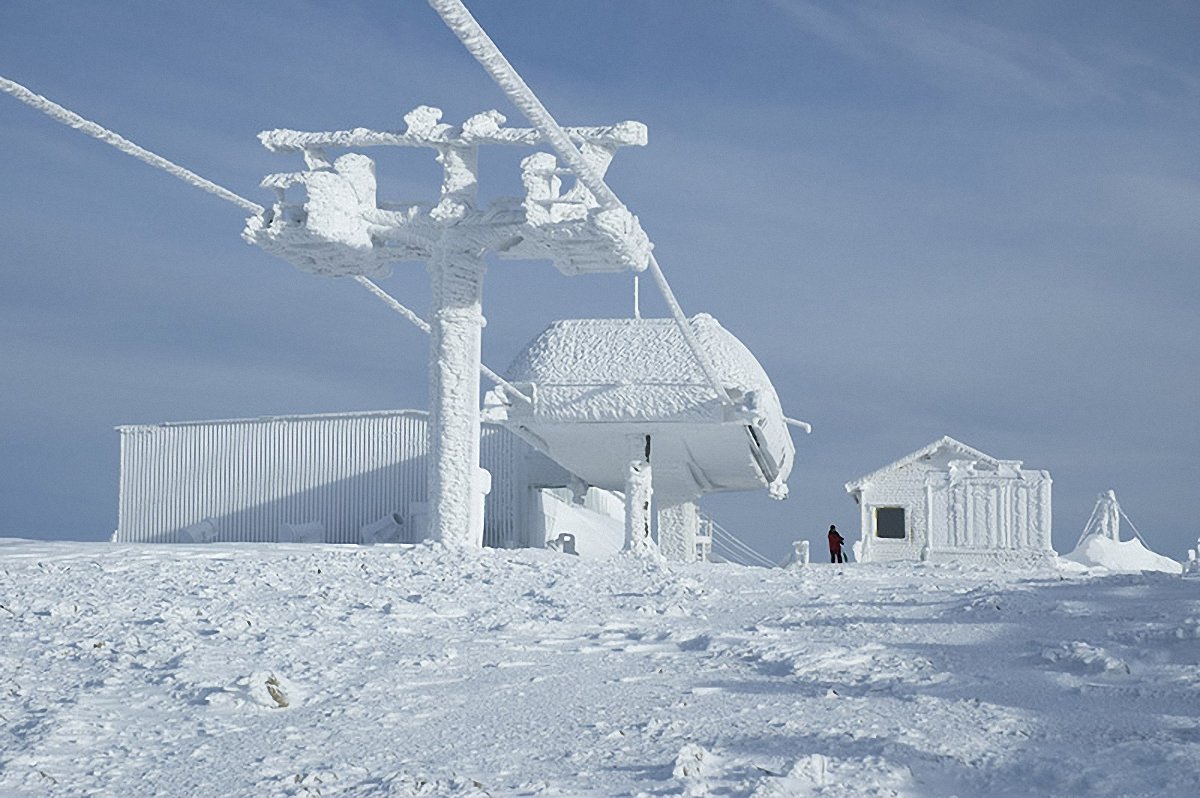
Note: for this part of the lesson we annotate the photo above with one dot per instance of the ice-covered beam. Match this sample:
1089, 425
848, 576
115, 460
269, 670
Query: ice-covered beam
339, 227
426, 130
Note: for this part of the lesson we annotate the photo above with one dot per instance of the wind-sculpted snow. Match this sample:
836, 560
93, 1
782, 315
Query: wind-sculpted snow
1098, 551
246, 670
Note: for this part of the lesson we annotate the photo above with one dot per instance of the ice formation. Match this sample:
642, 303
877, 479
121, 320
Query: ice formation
90, 128
639, 490
328, 219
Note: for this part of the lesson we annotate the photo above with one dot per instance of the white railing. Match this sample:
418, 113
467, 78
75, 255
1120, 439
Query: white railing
728, 546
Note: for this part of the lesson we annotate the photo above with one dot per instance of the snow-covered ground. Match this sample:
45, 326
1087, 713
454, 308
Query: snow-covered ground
400, 671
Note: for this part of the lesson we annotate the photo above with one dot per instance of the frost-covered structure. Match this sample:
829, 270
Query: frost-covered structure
337, 478
1191, 566
949, 501
621, 435
327, 219
1100, 544
624, 405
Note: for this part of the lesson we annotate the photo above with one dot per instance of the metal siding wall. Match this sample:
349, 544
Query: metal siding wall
499, 453
250, 476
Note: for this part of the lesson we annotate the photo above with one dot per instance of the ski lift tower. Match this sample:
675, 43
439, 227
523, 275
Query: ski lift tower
327, 220
339, 228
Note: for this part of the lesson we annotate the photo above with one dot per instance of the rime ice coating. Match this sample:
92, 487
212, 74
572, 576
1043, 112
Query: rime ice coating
594, 380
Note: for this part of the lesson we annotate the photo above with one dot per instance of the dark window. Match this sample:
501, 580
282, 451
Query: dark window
889, 522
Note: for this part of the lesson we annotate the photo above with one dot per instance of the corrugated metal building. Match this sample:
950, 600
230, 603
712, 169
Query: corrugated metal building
322, 477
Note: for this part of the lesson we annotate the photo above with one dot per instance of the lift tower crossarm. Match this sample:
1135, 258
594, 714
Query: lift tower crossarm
622, 134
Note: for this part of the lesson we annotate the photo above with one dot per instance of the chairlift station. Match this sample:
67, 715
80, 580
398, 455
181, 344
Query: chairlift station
674, 408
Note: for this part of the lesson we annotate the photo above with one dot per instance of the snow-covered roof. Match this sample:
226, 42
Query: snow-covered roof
925, 453
595, 381
221, 422
618, 369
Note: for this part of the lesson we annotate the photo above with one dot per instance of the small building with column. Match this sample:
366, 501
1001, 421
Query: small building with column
949, 501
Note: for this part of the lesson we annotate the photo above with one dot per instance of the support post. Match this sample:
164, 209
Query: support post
638, 493
678, 524
1110, 515
455, 338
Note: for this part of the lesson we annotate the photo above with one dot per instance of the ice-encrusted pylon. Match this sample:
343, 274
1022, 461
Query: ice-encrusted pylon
328, 220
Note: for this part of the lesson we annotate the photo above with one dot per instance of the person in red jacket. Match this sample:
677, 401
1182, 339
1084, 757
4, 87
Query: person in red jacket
836, 541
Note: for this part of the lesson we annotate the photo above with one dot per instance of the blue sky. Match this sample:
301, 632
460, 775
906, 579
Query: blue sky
924, 218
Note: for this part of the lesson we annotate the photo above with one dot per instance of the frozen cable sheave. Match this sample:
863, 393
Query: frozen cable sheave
74, 120
480, 45
475, 38
77, 122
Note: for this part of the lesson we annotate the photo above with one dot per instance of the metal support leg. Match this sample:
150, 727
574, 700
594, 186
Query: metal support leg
638, 493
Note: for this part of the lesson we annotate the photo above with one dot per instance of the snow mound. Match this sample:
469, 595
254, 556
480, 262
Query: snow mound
1097, 551
1081, 657
819, 775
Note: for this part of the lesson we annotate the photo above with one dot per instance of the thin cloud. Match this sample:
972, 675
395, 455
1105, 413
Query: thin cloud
841, 30
967, 56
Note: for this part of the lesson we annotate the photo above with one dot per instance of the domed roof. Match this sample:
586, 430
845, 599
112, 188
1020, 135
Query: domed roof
618, 369
638, 376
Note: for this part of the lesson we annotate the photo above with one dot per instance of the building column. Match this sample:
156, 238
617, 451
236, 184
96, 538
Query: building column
1045, 514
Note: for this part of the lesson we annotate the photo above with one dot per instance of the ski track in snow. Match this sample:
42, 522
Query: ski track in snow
412, 671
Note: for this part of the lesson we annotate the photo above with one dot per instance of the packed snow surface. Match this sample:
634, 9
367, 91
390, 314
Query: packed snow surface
304, 670
1098, 551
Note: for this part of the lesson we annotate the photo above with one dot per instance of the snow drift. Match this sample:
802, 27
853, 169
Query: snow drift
1121, 556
